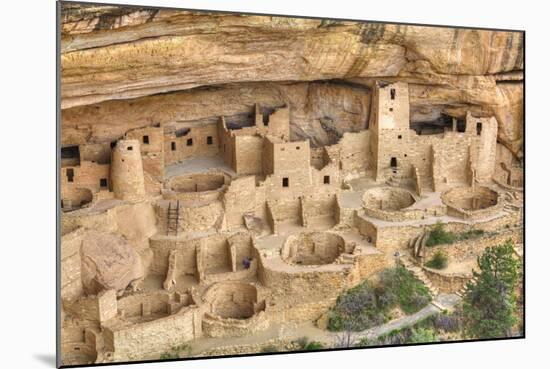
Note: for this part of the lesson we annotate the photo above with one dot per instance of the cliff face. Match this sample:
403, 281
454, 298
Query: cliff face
127, 67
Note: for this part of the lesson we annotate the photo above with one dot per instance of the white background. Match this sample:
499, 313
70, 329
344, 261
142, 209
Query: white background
27, 203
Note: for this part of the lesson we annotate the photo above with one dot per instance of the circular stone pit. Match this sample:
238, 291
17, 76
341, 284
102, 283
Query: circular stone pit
312, 248
232, 300
470, 199
203, 187
200, 182
387, 198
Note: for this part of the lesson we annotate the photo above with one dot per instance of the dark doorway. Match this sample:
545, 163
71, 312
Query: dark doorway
173, 146
326, 179
189, 142
70, 175
479, 127
393, 162
285, 182
209, 140
392, 93
70, 152
103, 183
461, 125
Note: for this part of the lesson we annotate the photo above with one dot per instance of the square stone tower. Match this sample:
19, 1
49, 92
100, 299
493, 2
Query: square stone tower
389, 123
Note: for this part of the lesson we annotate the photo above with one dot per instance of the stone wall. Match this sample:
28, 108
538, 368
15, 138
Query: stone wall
239, 199
80, 182
289, 211
71, 281
214, 326
318, 205
127, 171
391, 239
151, 141
100, 308
248, 154
135, 341
472, 202
185, 143
472, 248
447, 282
193, 217
445, 157
200, 187
355, 151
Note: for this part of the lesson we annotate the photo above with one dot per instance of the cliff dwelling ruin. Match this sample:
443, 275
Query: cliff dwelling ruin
204, 230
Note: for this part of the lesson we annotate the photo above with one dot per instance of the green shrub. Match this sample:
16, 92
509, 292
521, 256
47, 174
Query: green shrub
314, 345
470, 234
356, 309
438, 261
304, 343
366, 306
438, 236
489, 307
422, 335
410, 293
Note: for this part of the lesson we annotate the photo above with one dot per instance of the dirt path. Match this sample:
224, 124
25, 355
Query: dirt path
313, 333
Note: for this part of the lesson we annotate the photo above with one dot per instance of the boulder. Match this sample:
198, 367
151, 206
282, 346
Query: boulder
108, 262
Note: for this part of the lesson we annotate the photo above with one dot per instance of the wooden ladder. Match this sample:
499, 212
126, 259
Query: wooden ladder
173, 218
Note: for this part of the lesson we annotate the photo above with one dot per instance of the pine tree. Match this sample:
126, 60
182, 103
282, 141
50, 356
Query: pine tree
490, 303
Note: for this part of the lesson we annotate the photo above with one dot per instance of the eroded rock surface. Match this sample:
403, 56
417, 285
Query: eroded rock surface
125, 67
108, 262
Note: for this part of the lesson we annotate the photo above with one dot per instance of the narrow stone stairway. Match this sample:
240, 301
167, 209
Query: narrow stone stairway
419, 274
464, 288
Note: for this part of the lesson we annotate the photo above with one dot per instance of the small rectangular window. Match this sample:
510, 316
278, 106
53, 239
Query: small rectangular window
130, 148
393, 162
189, 142
146, 140
103, 182
391, 109
326, 179
173, 146
399, 137
392, 93
209, 140
479, 127
297, 147
70, 175
285, 182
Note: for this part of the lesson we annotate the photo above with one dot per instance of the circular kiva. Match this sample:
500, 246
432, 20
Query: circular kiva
470, 199
200, 182
312, 248
203, 187
232, 300
387, 198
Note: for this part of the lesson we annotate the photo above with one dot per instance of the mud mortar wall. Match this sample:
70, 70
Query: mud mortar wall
239, 199
318, 205
462, 250
178, 148
133, 342
391, 239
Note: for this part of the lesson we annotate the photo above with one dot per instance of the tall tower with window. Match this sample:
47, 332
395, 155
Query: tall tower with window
389, 123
